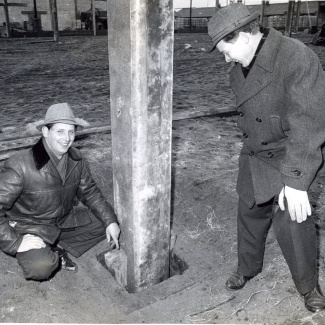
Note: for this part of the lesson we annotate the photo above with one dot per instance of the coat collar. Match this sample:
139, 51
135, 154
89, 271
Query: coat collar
260, 75
41, 157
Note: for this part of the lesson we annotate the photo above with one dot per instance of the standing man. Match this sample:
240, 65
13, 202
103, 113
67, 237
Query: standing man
279, 85
39, 219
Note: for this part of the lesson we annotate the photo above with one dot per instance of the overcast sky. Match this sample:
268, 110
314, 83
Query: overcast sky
178, 4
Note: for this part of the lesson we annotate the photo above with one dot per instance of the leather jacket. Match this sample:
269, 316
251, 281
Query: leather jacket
35, 200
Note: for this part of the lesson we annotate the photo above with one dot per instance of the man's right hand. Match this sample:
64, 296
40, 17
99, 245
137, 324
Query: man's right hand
30, 242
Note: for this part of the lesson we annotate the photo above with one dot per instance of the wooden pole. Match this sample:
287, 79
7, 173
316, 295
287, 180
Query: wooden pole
76, 11
262, 11
36, 24
93, 15
288, 29
140, 44
297, 16
190, 14
7, 18
317, 16
54, 16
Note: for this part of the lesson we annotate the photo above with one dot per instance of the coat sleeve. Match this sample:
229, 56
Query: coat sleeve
305, 83
90, 195
11, 185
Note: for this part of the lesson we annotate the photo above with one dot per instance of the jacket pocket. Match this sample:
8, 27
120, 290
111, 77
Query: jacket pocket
276, 128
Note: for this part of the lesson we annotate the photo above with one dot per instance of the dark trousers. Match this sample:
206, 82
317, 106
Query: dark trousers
297, 241
39, 264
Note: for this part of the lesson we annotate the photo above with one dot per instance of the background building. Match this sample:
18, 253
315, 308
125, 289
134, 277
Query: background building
22, 14
275, 15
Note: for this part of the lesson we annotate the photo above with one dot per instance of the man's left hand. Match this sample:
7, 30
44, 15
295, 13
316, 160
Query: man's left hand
113, 230
298, 203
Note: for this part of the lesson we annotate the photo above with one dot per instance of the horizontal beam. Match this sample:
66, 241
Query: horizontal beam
29, 12
14, 5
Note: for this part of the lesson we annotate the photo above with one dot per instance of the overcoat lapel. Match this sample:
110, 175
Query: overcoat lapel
260, 75
244, 89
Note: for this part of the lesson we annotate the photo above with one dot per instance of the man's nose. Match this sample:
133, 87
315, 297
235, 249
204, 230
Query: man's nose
67, 137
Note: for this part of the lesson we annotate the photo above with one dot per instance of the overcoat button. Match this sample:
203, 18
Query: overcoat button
241, 114
258, 120
251, 153
264, 143
245, 135
270, 154
297, 172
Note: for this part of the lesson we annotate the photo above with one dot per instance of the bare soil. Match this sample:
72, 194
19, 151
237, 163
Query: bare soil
205, 151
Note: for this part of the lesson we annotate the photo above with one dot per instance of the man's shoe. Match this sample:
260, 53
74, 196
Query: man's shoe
66, 262
237, 281
314, 300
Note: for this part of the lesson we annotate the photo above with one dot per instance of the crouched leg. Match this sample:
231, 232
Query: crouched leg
38, 264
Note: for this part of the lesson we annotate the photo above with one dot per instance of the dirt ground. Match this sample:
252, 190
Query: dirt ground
205, 151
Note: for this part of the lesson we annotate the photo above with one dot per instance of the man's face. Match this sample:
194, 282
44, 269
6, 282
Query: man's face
236, 51
59, 138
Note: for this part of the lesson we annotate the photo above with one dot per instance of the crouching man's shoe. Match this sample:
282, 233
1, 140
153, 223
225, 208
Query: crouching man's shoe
66, 262
314, 300
237, 281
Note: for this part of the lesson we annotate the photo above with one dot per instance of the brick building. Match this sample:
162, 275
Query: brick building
22, 13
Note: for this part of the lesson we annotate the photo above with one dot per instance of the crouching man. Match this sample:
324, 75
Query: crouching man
39, 187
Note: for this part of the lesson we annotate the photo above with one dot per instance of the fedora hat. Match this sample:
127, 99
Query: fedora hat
227, 20
59, 113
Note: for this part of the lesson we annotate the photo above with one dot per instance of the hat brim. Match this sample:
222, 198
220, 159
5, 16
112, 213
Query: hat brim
39, 127
226, 32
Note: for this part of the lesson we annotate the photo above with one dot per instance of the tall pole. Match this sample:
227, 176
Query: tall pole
94, 16
36, 20
140, 45
297, 16
7, 18
288, 29
76, 11
54, 15
190, 14
262, 11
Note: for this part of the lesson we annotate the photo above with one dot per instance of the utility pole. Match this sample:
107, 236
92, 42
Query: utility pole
54, 16
262, 11
291, 8
36, 25
190, 14
7, 18
94, 16
76, 11
297, 16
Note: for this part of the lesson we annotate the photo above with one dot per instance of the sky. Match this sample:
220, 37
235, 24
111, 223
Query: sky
179, 4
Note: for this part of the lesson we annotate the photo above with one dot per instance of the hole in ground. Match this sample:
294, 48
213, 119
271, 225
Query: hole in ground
176, 267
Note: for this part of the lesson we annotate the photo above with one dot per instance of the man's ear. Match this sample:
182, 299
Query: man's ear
45, 131
244, 37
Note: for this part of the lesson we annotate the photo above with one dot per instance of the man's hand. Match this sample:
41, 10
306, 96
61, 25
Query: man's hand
113, 230
298, 203
30, 242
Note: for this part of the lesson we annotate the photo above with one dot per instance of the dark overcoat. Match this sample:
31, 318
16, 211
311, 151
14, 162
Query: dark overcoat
35, 200
281, 107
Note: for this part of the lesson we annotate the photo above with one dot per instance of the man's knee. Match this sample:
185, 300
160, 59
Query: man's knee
38, 264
